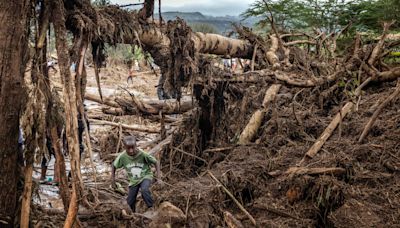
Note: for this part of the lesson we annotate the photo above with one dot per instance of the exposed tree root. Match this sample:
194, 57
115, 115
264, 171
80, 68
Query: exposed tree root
256, 119
382, 105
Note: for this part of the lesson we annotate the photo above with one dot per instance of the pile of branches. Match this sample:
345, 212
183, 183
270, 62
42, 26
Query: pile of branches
216, 136
261, 134
234, 116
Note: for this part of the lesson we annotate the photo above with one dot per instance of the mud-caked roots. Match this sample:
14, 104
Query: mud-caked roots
258, 174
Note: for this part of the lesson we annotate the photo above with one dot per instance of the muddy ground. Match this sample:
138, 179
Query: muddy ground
366, 195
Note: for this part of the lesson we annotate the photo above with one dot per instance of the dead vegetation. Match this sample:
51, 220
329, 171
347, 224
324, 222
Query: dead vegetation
265, 175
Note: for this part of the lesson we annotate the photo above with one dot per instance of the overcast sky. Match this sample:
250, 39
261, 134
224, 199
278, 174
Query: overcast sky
207, 7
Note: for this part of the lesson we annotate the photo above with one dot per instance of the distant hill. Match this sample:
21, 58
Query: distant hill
222, 23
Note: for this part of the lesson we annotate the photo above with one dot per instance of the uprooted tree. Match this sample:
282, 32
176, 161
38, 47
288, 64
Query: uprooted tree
281, 59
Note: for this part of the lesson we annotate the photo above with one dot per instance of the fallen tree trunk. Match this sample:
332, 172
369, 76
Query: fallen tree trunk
203, 43
150, 35
124, 126
105, 101
133, 105
170, 106
220, 45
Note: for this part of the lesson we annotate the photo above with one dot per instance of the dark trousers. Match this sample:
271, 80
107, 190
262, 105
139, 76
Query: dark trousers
144, 187
49, 146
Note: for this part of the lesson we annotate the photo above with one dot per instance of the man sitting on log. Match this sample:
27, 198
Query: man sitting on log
137, 164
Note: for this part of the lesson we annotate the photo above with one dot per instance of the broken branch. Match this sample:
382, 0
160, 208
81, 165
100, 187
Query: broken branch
253, 221
373, 118
333, 124
160, 145
256, 119
309, 171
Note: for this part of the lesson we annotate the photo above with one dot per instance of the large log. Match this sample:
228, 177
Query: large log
150, 35
130, 105
203, 43
220, 45
124, 126
105, 101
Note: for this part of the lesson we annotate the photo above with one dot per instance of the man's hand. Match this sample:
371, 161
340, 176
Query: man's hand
160, 183
158, 180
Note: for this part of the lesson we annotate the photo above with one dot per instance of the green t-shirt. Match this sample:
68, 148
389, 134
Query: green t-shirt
137, 168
